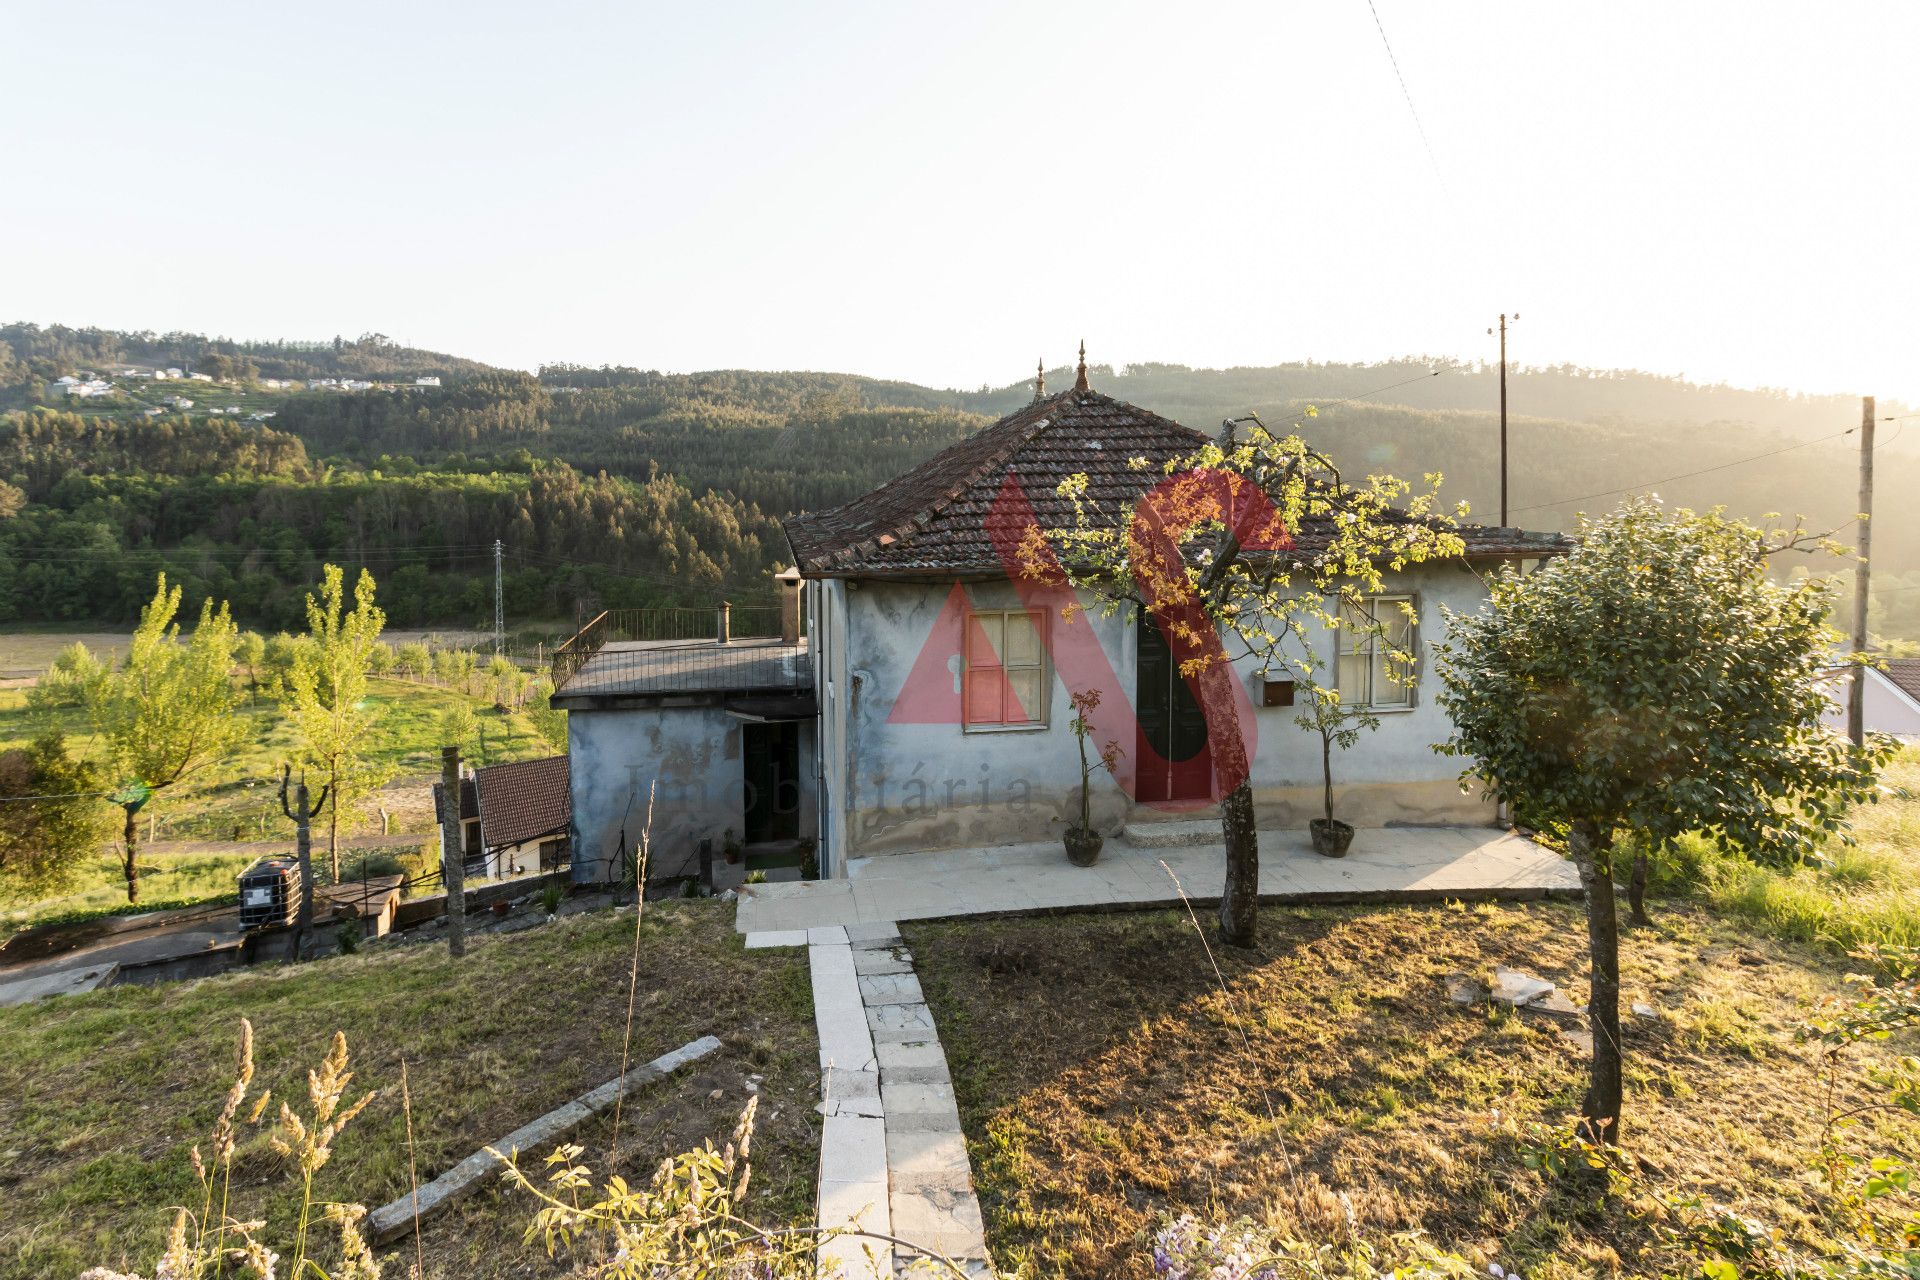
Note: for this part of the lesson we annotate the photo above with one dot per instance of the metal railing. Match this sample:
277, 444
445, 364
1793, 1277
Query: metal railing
679, 631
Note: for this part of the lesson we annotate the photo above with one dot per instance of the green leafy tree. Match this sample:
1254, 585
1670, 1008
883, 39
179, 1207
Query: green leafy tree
327, 695
549, 721
167, 711
414, 660
459, 727
252, 653
1210, 552
71, 679
1653, 682
44, 840
501, 678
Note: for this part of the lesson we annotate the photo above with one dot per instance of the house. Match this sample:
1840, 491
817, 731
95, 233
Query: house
1892, 698
152, 412
172, 373
178, 402
706, 728
928, 705
426, 382
201, 377
514, 818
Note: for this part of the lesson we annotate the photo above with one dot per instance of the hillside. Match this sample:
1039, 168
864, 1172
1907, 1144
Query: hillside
621, 485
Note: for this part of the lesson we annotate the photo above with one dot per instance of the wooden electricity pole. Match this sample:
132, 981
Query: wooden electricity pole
1503, 416
1863, 578
453, 851
301, 811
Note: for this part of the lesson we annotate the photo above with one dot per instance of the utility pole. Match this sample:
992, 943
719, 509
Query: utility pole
1862, 578
453, 852
301, 812
1503, 416
499, 611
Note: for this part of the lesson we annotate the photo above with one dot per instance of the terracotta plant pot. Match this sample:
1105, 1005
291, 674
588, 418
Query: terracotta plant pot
501, 907
1331, 837
1083, 846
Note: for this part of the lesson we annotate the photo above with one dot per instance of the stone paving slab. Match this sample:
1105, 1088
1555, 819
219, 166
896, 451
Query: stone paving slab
392, 1220
1386, 864
891, 988
870, 964
776, 938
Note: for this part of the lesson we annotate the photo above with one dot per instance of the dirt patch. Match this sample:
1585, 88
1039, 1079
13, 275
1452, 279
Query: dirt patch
1103, 1079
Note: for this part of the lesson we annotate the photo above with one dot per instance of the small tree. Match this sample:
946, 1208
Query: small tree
44, 839
252, 654
549, 721
327, 695
1251, 542
167, 710
1654, 681
71, 679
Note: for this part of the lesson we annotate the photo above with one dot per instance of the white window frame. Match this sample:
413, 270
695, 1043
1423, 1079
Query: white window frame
1355, 643
1043, 666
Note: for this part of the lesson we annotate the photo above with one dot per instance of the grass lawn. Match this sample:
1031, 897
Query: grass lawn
101, 1095
1101, 1081
1866, 894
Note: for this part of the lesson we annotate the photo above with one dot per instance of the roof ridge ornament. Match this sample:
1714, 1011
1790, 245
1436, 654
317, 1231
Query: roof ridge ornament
1080, 380
1039, 380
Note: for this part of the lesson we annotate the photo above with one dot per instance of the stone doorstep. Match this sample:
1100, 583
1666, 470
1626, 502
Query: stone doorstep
881, 934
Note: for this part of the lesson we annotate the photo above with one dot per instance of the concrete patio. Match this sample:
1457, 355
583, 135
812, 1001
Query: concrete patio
1386, 864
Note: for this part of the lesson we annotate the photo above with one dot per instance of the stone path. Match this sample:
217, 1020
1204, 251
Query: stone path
892, 1158
1386, 864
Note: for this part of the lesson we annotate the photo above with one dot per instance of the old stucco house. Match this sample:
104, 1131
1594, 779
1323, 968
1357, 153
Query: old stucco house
927, 705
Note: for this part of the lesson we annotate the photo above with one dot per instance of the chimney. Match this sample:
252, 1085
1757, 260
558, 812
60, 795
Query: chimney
726, 622
789, 580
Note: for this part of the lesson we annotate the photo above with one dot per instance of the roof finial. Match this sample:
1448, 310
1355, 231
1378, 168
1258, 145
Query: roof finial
1080, 382
1040, 380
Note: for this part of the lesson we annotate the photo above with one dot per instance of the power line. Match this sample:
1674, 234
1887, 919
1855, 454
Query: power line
1408, 94
1431, 373
1687, 475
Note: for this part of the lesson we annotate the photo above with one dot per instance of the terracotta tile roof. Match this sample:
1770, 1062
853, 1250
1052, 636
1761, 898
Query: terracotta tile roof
469, 801
934, 519
523, 801
1905, 675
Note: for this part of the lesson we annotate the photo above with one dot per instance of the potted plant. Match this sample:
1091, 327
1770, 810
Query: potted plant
1082, 841
1340, 726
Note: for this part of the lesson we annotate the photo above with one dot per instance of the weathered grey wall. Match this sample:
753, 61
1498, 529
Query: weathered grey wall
899, 778
687, 758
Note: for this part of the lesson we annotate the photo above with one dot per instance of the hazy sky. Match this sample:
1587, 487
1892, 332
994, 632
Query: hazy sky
943, 193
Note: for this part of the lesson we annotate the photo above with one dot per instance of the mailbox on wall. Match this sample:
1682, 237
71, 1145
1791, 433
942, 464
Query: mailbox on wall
1276, 693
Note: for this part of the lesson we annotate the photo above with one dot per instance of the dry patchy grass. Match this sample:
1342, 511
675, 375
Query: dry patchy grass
102, 1095
1101, 1080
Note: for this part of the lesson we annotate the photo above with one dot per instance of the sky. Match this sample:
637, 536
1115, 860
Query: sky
944, 193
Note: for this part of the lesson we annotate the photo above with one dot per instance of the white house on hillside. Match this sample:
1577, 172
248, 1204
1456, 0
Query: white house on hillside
918, 696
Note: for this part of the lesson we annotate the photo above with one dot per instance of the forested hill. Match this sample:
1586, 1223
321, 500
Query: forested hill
626, 486
32, 353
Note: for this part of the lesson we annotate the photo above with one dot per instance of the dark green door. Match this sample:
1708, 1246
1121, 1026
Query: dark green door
771, 760
1171, 744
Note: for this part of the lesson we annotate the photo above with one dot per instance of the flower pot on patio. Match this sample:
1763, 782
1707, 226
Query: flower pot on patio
1331, 837
501, 906
1083, 846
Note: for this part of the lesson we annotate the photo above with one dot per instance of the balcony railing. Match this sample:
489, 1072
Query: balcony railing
678, 647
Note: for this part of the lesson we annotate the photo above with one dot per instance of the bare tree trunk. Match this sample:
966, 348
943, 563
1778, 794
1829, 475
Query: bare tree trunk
1240, 898
303, 845
1600, 1110
1637, 891
333, 833
1326, 771
130, 852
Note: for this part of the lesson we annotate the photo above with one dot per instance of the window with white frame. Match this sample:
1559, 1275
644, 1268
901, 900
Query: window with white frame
1373, 629
1005, 679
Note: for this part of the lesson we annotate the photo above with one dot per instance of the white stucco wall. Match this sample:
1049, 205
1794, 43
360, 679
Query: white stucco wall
890, 785
1886, 709
688, 758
